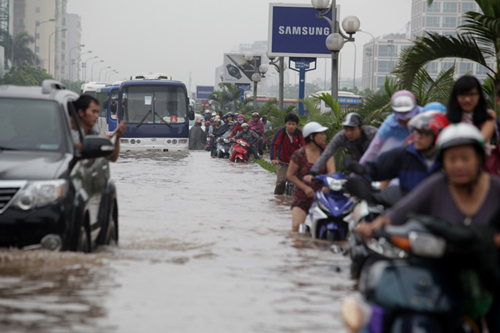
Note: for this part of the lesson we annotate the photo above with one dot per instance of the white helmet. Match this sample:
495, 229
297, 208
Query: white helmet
313, 127
459, 134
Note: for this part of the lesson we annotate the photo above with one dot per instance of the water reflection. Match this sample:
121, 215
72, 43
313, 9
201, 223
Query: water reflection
204, 246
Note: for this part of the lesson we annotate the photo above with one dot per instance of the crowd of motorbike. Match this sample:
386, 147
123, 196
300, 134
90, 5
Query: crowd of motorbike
424, 276
233, 138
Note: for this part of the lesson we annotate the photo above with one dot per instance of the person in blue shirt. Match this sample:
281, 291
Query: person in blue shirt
412, 163
393, 131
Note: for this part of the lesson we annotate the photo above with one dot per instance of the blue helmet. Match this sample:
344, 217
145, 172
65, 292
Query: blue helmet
435, 106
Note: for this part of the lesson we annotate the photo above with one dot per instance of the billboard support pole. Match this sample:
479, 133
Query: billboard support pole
302, 65
282, 80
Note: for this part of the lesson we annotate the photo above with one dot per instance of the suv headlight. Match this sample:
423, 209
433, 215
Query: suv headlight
41, 193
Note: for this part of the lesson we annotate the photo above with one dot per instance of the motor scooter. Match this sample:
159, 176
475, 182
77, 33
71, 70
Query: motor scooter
223, 146
421, 283
238, 152
325, 219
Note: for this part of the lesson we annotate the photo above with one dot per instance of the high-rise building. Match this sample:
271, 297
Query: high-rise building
443, 17
379, 59
35, 17
73, 49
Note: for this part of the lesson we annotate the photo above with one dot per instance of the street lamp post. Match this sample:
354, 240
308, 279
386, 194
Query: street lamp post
106, 75
70, 60
335, 41
258, 74
373, 57
92, 70
280, 67
102, 70
36, 32
50, 37
355, 58
84, 67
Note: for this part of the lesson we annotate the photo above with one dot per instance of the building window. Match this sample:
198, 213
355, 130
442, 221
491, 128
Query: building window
63, 45
446, 65
481, 70
468, 7
432, 22
37, 36
432, 68
64, 21
37, 10
385, 66
434, 8
387, 51
449, 7
37, 49
450, 33
449, 22
465, 68
380, 81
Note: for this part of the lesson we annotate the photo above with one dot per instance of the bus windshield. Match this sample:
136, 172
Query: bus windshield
154, 104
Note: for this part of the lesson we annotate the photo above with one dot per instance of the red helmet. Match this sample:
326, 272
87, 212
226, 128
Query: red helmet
438, 124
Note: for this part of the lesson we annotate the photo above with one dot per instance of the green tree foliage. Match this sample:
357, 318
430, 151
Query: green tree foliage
21, 50
75, 86
478, 40
25, 75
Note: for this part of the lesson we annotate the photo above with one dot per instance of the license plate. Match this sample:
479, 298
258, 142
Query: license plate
153, 149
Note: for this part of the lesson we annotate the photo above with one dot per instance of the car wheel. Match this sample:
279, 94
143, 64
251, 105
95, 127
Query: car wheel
83, 241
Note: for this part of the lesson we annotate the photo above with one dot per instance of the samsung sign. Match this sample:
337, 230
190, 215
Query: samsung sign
295, 31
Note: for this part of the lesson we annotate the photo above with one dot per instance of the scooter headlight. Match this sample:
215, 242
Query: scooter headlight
335, 184
42, 193
386, 249
427, 245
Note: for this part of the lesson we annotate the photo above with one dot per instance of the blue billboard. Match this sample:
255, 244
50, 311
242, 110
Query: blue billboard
202, 92
295, 31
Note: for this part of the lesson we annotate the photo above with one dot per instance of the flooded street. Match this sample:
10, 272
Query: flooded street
204, 246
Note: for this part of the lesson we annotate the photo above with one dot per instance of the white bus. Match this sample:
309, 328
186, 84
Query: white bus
90, 88
347, 100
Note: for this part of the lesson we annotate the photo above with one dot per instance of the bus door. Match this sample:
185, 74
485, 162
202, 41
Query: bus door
112, 109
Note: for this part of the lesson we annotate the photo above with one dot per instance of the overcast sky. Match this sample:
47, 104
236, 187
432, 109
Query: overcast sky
179, 37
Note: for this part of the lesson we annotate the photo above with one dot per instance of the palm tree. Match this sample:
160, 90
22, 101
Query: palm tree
20, 51
478, 40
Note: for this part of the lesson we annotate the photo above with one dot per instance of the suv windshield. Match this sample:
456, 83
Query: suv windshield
29, 125
154, 104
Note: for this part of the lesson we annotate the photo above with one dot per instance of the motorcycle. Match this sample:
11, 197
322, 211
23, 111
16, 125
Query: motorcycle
238, 152
328, 210
223, 146
421, 283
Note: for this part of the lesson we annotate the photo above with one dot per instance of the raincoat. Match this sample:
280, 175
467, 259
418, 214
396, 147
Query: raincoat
197, 138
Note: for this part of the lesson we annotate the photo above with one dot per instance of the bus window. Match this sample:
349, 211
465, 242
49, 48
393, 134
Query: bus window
148, 104
102, 97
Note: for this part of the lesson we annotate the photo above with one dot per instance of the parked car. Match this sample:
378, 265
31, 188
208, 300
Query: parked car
52, 195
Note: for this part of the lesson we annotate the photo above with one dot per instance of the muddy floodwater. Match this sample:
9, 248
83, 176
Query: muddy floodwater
204, 246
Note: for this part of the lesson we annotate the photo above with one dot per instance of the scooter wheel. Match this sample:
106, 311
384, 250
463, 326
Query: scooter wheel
332, 235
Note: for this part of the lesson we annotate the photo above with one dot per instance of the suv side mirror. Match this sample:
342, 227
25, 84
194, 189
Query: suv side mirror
95, 146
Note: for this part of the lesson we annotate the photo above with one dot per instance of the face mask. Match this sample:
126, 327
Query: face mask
241, 121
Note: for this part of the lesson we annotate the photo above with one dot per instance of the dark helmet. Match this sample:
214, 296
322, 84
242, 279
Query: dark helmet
352, 120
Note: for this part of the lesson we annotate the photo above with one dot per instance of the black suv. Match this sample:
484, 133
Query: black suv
52, 195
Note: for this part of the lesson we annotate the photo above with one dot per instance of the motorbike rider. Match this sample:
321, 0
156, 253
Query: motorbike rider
257, 126
354, 137
393, 131
285, 142
249, 136
237, 127
414, 162
208, 115
300, 164
216, 127
462, 194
